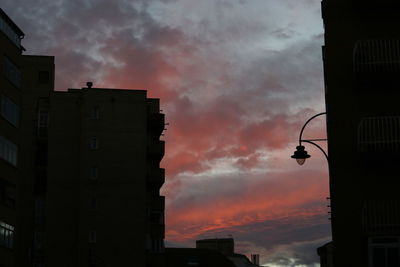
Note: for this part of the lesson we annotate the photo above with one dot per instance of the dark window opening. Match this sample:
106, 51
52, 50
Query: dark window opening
43, 77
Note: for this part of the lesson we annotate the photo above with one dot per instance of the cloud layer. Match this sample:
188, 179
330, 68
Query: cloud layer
237, 79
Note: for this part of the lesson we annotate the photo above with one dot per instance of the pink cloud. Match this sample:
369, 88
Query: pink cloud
275, 196
228, 94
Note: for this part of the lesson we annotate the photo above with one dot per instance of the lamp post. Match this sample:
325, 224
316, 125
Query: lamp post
300, 154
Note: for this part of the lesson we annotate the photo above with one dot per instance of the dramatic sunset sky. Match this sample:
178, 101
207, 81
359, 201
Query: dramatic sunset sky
237, 79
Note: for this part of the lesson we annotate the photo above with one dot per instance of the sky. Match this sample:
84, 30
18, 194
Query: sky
237, 79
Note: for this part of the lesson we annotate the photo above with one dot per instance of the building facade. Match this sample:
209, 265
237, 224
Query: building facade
102, 201
362, 66
23, 79
10, 94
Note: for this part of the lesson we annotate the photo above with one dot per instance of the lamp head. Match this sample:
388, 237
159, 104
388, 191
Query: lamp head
300, 155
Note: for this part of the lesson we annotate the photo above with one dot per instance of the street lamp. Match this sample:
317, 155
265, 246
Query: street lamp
300, 155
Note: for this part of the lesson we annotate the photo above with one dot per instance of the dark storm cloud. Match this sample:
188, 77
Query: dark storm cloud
111, 42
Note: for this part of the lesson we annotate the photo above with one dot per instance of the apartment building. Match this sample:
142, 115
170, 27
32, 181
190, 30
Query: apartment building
23, 79
101, 199
362, 70
10, 94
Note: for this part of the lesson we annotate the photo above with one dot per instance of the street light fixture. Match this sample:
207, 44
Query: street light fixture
300, 154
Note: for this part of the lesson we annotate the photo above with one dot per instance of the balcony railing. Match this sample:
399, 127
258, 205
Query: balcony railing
156, 149
379, 134
157, 203
8, 27
156, 124
376, 63
155, 177
381, 217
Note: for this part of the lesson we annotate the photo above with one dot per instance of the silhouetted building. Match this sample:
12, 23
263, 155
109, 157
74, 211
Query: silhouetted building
102, 200
184, 257
23, 79
11, 54
226, 246
223, 245
362, 70
325, 253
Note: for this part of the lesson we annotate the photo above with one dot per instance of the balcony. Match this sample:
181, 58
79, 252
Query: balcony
376, 63
379, 143
156, 150
381, 217
9, 28
379, 134
376, 7
156, 124
155, 177
157, 230
156, 203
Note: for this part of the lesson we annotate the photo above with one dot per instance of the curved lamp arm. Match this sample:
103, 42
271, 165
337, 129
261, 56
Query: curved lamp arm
318, 146
300, 154
305, 124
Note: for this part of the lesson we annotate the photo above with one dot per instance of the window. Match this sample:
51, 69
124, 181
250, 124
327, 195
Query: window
94, 113
13, 35
40, 211
93, 173
93, 203
93, 143
8, 151
43, 123
39, 238
192, 262
9, 110
6, 235
157, 245
154, 244
384, 252
92, 257
9, 196
43, 77
12, 72
43, 119
92, 237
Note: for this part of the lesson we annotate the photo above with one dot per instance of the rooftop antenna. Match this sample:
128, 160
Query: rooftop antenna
89, 84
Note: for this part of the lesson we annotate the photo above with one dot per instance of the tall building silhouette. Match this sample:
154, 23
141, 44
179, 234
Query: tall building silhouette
10, 90
362, 70
79, 170
23, 79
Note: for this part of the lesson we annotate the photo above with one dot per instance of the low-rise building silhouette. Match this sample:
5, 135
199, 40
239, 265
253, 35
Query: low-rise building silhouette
223, 245
185, 257
226, 246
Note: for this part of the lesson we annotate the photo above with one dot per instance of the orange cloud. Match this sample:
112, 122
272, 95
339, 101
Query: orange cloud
279, 198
